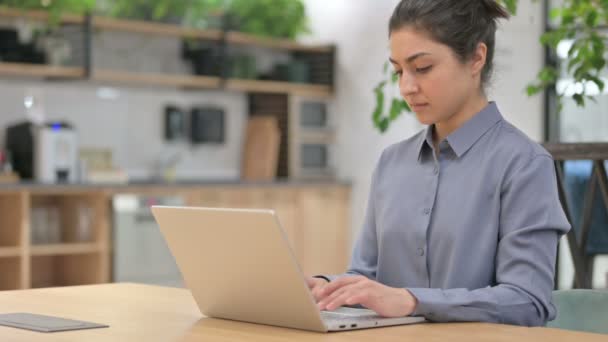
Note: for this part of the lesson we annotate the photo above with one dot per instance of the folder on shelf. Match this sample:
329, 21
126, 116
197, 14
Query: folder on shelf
261, 150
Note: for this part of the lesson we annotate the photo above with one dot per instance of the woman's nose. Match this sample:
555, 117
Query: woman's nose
407, 85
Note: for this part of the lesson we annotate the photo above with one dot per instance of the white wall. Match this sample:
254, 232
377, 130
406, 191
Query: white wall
129, 120
360, 30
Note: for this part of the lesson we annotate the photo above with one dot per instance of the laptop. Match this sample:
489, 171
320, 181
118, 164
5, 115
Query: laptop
238, 265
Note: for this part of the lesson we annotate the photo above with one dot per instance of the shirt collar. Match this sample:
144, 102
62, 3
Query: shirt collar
463, 138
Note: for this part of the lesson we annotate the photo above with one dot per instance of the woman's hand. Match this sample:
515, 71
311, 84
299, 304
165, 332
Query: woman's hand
351, 290
316, 286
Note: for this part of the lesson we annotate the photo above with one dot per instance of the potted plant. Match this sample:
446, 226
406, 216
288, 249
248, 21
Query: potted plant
191, 13
55, 7
268, 18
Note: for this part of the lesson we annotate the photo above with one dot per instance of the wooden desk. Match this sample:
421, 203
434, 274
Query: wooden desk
150, 313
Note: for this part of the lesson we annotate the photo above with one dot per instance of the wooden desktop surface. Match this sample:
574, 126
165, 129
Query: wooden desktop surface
150, 313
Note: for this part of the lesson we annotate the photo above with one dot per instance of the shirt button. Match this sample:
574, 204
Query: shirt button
421, 251
426, 211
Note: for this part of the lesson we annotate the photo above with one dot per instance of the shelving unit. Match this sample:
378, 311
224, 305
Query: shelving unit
315, 219
10, 252
82, 254
42, 71
151, 28
240, 38
65, 249
317, 55
14, 230
10, 270
147, 79
64, 270
310, 128
255, 86
39, 15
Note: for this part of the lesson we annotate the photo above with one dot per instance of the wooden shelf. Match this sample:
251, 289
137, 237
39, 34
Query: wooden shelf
154, 28
157, 79
278, 87
40, 70
163, 29
151, 79
39, 15
8, 178
316, 136
8, 252
240, 38
64, 249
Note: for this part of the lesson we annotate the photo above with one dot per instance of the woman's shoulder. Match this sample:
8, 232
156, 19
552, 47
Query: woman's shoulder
513, 151
511, 141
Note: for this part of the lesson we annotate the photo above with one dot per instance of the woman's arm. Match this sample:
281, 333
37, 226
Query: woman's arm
531, 222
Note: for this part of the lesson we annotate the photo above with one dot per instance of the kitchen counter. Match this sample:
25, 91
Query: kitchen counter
164, 186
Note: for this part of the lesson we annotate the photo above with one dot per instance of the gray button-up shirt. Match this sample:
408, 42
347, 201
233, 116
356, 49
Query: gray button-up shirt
472, 231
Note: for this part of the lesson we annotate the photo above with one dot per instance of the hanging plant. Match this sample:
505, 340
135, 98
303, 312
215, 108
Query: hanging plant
270, 18
56, 8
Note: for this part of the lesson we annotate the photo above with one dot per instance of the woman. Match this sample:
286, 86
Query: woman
463, 219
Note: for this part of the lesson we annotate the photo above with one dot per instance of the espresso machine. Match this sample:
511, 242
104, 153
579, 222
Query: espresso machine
46, 153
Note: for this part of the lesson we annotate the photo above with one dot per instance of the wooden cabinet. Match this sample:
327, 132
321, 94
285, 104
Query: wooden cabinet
323, 225
13, 240
314, 218
77, 252
59, 236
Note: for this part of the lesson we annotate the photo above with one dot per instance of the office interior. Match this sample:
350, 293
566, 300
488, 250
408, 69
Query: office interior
103, 116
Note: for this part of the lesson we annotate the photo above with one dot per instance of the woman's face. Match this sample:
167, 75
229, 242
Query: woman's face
432, 80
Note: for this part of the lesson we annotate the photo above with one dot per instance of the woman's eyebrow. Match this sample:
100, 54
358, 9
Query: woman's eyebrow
411, 58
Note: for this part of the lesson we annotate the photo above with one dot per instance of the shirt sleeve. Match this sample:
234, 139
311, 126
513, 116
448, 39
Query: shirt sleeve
531, 221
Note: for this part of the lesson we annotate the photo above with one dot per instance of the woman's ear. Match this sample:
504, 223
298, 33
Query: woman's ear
479, 59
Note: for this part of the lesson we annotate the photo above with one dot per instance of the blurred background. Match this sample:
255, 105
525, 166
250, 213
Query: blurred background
110, 106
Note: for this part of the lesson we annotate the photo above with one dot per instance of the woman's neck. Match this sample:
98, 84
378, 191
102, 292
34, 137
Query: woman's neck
469, 110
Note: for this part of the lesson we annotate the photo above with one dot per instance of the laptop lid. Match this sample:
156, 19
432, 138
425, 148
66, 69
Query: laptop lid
239, 266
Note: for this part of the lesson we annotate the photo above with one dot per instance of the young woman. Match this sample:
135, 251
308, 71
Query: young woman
463, 219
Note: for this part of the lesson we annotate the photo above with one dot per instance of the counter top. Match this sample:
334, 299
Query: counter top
153, 186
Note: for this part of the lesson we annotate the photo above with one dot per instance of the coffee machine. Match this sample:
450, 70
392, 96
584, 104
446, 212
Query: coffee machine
46, 153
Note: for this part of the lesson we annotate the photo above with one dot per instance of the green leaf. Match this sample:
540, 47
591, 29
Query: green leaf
379, 106
555, 13
511, 5
380, 86
579, 99
394, 78
383, 125
597, 81
533, 90
592, 19
396, 108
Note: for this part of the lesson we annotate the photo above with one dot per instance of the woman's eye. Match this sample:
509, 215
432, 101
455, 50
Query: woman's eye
424, 70
398, 72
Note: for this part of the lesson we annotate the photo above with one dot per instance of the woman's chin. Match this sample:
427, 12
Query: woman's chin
425, 118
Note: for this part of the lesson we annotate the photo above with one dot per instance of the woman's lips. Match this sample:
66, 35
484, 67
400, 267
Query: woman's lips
419, 106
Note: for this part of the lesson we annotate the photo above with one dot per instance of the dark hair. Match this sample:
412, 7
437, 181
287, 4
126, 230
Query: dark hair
459, 24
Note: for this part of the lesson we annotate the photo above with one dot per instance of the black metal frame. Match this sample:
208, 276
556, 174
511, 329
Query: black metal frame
88, 45
598, 153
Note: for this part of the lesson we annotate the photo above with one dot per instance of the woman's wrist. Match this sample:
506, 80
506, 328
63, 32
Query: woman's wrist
322, 277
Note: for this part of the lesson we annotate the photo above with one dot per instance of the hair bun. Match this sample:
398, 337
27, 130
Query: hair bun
494, 10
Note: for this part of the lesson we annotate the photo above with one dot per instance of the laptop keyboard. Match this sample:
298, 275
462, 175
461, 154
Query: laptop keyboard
350, 315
